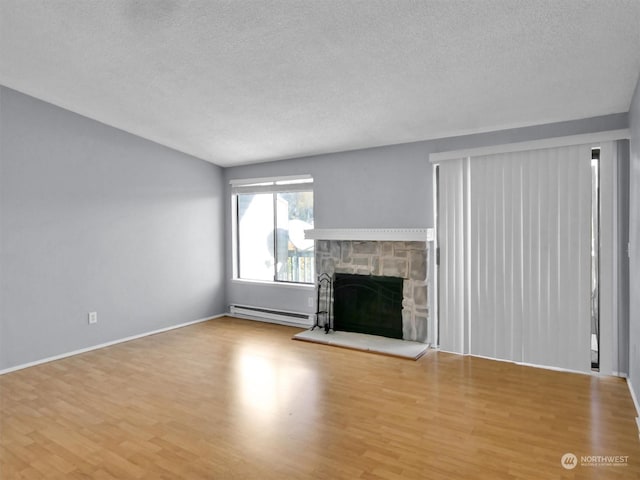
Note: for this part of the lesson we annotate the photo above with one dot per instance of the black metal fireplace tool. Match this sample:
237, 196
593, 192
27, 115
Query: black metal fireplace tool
324, 304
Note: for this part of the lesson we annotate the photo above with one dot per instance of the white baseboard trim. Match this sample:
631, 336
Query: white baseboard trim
635, 404
106, 344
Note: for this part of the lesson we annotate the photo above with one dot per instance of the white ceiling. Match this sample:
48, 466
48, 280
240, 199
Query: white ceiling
244, 81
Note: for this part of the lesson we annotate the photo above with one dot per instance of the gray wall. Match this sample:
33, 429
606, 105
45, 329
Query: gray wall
379, 187
95, 219
634, 239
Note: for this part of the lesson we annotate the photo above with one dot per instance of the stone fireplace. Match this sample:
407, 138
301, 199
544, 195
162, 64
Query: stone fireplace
401, 259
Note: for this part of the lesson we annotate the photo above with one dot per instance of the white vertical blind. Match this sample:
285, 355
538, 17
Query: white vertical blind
496, 255
451, 305
608, 304
528, 260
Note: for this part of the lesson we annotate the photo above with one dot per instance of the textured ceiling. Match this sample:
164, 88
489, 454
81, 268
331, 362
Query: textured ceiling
245, 81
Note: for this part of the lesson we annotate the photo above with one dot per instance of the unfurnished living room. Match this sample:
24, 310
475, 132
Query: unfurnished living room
334, 239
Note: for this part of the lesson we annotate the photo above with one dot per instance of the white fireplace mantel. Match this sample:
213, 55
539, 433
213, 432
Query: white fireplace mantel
372, 234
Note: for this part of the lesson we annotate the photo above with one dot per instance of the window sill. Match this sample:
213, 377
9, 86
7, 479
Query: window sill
264, 283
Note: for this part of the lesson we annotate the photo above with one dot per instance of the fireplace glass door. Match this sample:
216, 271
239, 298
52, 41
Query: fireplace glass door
368, 304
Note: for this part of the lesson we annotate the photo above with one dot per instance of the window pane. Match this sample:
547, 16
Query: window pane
295, 262
255, 236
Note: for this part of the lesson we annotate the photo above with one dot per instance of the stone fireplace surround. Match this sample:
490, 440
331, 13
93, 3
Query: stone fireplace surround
397, 258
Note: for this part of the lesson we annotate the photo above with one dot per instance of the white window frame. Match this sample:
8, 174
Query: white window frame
288, 183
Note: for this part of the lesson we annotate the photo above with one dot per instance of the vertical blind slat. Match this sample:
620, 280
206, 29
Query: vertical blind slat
450, 241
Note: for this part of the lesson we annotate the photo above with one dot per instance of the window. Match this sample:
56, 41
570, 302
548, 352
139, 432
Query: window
271, 216
595, 262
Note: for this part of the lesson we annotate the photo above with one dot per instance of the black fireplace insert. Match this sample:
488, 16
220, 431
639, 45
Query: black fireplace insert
368, 304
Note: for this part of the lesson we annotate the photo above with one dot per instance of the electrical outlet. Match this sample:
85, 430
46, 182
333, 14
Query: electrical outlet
93, 318
310, 301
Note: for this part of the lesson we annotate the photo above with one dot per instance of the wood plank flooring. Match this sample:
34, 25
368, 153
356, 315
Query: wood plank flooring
235, 399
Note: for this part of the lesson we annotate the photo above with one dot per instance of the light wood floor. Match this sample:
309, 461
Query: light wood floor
234, 399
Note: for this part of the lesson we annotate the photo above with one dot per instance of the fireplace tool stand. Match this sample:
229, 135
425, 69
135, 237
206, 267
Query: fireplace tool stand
324, 303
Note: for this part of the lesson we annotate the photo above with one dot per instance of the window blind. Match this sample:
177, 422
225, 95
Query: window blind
451, 240
298, 183
516, 226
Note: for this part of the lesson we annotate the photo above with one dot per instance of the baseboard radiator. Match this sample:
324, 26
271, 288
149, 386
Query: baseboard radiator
282, 317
